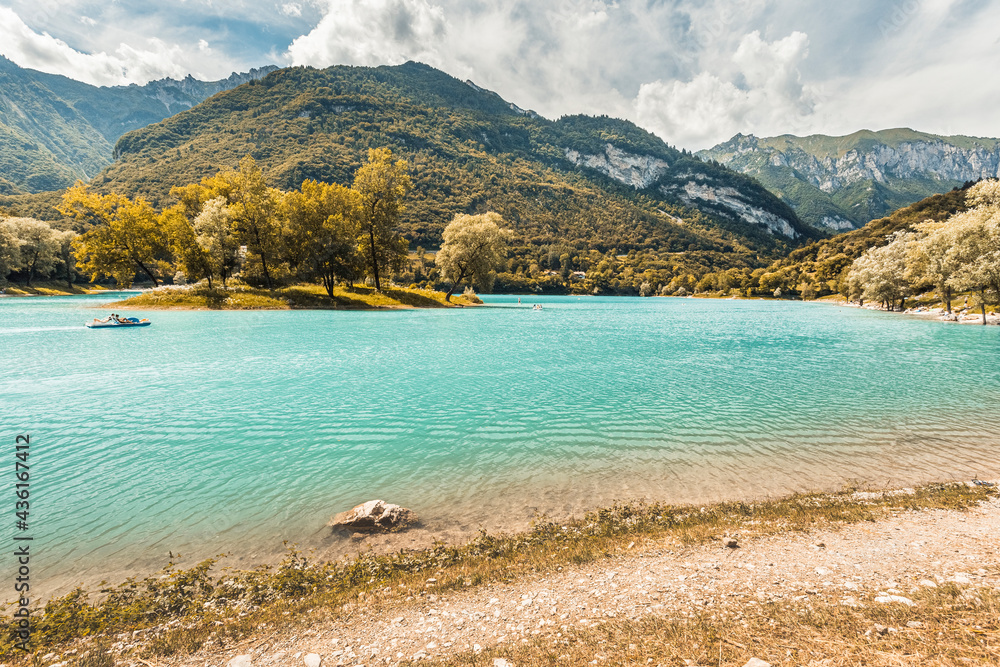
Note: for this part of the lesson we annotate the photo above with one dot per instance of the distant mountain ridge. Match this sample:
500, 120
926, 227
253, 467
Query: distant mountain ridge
840, 183
54, 130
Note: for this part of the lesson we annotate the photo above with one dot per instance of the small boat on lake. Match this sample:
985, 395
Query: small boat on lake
117, 322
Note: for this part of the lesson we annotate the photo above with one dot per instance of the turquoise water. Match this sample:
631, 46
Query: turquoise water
213, 431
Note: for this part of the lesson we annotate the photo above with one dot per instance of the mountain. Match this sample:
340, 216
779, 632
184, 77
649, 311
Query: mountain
840, 183
54, 130
581, 182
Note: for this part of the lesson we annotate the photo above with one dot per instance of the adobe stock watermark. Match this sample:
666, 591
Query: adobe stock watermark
22, 540
901, 14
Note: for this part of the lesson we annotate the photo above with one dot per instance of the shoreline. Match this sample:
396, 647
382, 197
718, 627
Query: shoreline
516, 578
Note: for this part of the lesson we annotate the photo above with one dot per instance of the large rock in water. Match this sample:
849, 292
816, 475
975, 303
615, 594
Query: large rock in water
374, 515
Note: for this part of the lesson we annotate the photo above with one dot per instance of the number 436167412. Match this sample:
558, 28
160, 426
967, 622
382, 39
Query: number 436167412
21, 472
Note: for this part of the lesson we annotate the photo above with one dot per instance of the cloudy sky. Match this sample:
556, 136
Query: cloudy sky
694, 72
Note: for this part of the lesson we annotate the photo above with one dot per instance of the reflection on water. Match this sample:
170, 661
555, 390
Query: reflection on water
230, 431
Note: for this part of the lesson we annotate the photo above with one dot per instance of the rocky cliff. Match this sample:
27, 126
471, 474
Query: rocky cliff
840, 183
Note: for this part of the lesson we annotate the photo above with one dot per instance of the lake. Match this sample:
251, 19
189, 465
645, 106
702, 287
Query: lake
233, 431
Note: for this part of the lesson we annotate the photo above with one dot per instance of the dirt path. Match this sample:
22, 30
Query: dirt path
853, 566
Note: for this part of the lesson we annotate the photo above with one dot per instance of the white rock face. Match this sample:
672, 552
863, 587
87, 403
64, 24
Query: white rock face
639, 171
731, 199
836, 223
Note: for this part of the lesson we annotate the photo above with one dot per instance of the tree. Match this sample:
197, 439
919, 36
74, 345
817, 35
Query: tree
217, 239
382, 184
126, 236
930, 261
883, 273
39, 246
252, 208
975, 248
474, 249
188, 254
10, 249
322, 224
65, 240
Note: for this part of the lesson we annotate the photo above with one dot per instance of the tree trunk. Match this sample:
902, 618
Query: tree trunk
982, 306
946, 292
371, 238
156, 283
31, 269
454, 285
267, 274
209, 280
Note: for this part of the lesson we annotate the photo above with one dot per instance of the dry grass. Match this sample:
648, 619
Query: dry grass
955, 628
51, 288
239, 296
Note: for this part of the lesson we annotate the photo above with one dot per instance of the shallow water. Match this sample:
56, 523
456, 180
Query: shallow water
232, 431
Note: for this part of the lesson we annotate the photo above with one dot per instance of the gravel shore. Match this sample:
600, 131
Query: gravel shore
860, 565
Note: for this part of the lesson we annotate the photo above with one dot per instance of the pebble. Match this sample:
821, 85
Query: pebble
916, 625
239, 661
501, 662
757, 662
731, 542
312, 660
928, 583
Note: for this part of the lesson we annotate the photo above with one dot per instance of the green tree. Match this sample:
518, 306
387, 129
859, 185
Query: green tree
10, 249
217, 238
188, 254
65, 240
474, 249
125, 238
382, 184
322, 224
39, 246
253, 209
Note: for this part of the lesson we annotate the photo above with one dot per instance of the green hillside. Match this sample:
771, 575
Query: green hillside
823, 263
54, 130
840, 183
469, 151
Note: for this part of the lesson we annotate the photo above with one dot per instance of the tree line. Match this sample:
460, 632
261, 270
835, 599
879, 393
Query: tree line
234, 223
959, 254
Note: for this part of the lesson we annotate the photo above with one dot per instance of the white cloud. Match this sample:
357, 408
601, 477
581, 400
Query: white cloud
695, 71
766, 93
46, 53
372, 32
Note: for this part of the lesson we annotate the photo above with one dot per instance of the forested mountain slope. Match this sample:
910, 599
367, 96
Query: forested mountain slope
54, 130
582, 182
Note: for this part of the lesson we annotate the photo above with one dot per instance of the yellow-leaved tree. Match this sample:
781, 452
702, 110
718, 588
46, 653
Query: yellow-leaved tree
381, 184
125, 238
